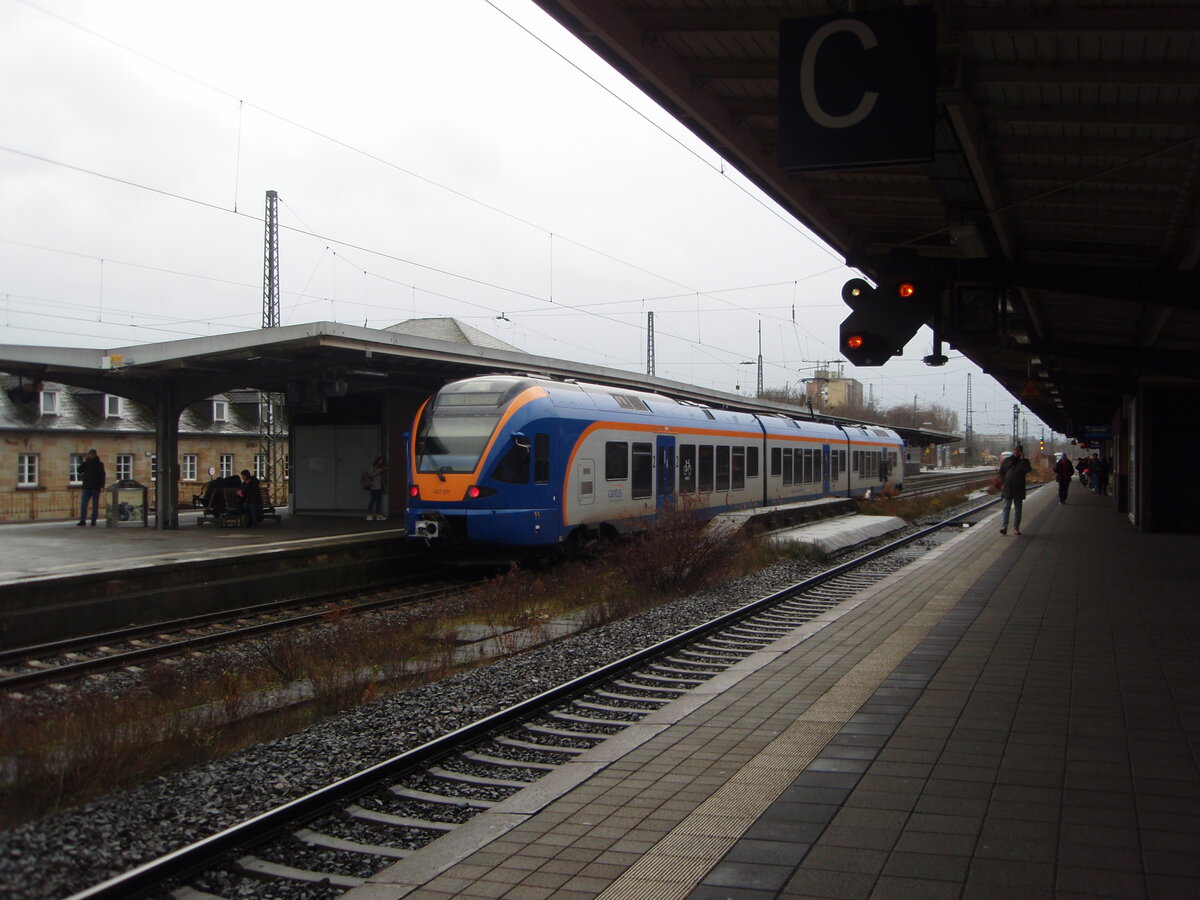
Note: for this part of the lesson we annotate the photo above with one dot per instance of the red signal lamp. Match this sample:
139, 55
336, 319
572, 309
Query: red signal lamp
905, 290
854, 341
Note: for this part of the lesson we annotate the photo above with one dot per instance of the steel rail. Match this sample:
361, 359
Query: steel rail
196, 642
202, 854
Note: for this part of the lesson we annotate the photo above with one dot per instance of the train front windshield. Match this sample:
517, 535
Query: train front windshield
458, 423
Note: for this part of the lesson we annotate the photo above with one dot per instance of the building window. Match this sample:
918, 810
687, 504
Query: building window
27, 470
226, 465
76, 460
112, 406
260, 466
220, 411
189, 467
49, 403
124, 467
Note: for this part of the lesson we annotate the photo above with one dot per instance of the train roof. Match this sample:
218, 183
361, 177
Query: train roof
568, 394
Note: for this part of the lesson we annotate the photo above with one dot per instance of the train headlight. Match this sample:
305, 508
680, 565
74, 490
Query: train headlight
414, 492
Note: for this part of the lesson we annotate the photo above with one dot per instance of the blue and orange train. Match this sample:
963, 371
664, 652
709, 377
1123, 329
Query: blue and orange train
524, 463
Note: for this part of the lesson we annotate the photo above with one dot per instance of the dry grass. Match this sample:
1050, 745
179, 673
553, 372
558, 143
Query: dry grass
182, 714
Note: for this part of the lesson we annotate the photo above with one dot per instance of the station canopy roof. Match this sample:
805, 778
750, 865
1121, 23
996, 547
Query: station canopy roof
1062, 201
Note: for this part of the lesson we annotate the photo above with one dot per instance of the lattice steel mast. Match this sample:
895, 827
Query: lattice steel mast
272, 417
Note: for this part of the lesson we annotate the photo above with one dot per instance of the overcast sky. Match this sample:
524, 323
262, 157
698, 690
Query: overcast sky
462, 158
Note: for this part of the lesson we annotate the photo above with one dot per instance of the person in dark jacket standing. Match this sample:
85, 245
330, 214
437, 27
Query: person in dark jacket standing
1012, 487
91, 474
1063, 470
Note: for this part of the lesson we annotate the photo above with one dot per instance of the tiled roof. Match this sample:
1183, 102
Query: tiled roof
80, 409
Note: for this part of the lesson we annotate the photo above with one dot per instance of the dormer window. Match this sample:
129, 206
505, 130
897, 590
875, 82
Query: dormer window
220, 411
50, 403
112, 406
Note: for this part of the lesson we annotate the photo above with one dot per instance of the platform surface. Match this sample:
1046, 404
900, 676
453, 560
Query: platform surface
1010, 717
36, 550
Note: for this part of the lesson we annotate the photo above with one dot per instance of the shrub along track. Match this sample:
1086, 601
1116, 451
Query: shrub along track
333, 838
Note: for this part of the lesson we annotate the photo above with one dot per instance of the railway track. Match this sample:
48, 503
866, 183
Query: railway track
342, 834
59, 661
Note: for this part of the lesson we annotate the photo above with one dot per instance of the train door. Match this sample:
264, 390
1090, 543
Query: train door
665, 453
585, 478
824, 468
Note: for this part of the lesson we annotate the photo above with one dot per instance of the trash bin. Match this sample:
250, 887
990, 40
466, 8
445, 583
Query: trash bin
127, 501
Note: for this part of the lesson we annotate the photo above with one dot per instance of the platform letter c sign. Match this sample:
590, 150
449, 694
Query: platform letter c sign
857, 90
808, 76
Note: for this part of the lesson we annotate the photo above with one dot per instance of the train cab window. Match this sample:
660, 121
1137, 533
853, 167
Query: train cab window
513, 467
776, 462
643, 471
616, 460
788, 466
722, 468
738, 469
706, 469
687, 468
541, 458
751, 462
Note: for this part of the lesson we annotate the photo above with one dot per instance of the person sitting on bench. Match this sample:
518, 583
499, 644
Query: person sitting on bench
251, 497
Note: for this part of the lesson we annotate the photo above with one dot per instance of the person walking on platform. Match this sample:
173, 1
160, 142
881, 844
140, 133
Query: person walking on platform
1063, 470
375, 486
1012, 487
91, 475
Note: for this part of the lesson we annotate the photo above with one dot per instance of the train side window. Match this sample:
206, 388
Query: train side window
643, 471
687, 468
738, 471
706, 468
751, 462
541, 458
722, 468
776, 462
788, 466
808, 467
856, 462
834, 466
616, 460
513, 467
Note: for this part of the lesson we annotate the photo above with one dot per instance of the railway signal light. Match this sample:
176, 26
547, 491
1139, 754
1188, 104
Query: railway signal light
883, 319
